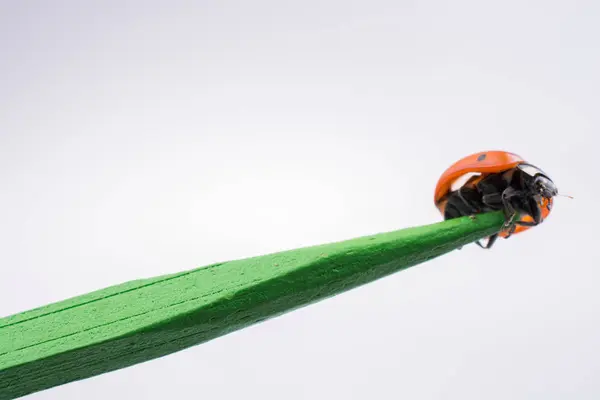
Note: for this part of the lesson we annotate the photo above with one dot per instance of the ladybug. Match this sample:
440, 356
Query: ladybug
493, 181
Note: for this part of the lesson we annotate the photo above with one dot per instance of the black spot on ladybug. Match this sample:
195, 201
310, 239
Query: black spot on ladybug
482, 157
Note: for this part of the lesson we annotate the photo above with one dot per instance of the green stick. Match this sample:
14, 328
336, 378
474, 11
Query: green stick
141, 320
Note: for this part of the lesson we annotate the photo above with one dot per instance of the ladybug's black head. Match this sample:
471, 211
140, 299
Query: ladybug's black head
544, 186
539, 183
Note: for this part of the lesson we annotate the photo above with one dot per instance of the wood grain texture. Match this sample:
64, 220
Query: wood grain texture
141, 320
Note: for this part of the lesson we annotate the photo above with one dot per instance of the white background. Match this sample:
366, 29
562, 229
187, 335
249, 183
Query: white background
140, 138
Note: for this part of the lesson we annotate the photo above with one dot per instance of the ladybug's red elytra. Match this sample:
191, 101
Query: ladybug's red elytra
493, 181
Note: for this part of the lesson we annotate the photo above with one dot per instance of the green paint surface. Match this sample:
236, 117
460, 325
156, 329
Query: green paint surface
144, 319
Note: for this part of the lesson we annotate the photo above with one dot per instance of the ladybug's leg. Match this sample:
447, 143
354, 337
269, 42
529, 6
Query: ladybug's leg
510, 213
511, 230
459, 206
493, 200
535, 212
468, 197
525, 223
490, 242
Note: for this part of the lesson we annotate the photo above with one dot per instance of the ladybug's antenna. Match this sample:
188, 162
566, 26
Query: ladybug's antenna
565, 195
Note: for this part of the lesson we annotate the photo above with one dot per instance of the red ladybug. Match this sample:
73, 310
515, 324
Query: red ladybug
493, 181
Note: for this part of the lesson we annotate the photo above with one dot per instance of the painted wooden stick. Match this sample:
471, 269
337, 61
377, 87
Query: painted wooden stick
144, 319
